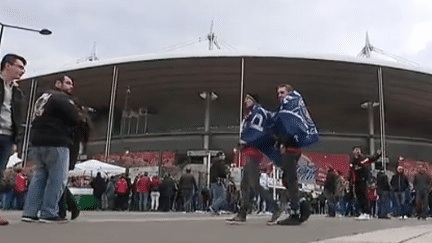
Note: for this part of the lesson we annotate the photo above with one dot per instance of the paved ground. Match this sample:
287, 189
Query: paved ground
101, 226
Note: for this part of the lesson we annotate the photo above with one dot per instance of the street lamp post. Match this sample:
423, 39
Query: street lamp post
42, 31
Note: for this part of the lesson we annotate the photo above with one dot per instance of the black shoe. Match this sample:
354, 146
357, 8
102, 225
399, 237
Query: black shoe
305, 211
75, 213
29, 219
383, 217
53, 220
236, 220
291, 220
276, 214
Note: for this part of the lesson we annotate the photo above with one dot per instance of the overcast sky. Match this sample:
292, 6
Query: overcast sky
138, 27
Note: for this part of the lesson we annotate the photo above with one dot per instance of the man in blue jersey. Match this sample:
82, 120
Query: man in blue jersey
294, 129
255, 137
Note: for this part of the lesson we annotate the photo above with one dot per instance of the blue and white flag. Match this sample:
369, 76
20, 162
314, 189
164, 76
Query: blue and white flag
294, 121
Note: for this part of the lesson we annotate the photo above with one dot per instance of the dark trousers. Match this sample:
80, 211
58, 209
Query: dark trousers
250, 185
289, 167
67, 201
5, 151
422, 203
360, 190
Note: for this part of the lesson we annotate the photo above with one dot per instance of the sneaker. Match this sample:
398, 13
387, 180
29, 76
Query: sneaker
4, 221
54, 220
29, 219
291, 220
363, 216
213, 212
276, 214
75, 214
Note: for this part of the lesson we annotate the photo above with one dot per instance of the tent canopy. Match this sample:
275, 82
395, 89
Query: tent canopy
92, 167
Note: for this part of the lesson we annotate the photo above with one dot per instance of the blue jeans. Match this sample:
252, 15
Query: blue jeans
383, 203
401, 200
5, 152
219, 196
51, 166
143, 201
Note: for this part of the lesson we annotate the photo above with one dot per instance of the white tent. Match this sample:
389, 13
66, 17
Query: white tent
92, 167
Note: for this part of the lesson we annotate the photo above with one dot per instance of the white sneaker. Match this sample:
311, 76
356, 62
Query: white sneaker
363, 216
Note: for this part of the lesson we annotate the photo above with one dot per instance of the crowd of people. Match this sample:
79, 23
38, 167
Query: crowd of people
59, 125
363, 195
151, 193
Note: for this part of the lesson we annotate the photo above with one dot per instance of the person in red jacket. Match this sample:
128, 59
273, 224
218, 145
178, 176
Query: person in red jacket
154, 193
143, 190
122, 193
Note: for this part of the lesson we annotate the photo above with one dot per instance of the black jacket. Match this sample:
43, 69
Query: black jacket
382, 182
217, 170
54, 118
399, 182
18, 111
187, 181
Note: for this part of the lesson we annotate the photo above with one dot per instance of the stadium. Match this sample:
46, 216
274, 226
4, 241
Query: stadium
178, 103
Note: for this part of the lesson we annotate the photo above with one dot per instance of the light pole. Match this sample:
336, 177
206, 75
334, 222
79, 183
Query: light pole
42, 31
207, 96
369, 105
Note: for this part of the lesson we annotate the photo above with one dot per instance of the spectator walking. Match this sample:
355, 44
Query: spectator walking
53, 119
99, 186
401, 193
188, 187
422, 186
167, 191
143, 190
11, 111
154, 193
122, 190
108, 197
134, 204
384, 198
80, 136
330, 186
217, 183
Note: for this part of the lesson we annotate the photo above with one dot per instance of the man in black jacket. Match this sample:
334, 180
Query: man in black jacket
188, 187
217, 176
422, 185
53, 119
11, 109
330, 185
401, 192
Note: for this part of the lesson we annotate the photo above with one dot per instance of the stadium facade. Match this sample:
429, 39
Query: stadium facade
188, 102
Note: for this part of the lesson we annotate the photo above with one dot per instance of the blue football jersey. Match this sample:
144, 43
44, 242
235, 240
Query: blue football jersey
255, 131
293, 121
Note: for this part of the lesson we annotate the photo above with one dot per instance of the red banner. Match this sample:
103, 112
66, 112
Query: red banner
145, 158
